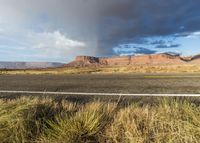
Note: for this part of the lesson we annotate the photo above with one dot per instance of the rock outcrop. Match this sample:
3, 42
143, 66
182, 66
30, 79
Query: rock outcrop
195, 60
155, 59
82, 61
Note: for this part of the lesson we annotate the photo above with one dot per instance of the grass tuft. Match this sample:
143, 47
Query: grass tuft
87, 125
45, 120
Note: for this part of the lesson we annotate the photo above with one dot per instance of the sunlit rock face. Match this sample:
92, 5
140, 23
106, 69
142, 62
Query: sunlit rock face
154, 59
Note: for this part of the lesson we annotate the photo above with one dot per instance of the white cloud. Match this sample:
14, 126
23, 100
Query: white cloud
194, 35
33, 26
56, 41
48, 46
56, 44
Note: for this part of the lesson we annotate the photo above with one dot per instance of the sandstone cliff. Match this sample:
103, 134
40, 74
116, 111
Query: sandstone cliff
155, 59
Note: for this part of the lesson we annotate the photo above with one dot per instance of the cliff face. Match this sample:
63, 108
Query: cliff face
195, 60
87, 59
82, 61
156, 59
114, 61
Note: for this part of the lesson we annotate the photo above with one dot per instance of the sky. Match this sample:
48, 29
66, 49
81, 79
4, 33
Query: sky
60, 30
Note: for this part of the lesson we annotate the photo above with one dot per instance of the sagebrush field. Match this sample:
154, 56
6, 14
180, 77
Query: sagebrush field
109, 69
50, 120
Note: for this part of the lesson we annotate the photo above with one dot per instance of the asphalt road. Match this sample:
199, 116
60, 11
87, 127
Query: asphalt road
117, 83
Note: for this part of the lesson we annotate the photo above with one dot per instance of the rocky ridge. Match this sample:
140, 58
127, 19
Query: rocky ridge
154, 59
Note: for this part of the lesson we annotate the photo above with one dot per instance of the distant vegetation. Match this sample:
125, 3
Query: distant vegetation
46, 120
116, 69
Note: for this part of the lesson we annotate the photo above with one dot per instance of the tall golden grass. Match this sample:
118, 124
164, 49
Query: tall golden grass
45, 120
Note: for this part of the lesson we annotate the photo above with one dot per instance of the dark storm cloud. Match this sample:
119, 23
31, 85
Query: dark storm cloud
167, 46
99, 25
173, 53
140, 50
160, 42
132, 50
125, 20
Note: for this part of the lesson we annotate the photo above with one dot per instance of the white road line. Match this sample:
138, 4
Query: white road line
100, 94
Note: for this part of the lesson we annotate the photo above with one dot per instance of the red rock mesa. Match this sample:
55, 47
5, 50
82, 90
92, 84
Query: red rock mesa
154, 59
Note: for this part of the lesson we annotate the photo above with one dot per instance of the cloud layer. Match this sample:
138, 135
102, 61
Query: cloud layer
127, 20
62, 29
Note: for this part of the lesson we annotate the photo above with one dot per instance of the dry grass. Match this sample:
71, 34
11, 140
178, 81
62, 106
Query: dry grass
128, 69
86, 125
44, 120
170, 121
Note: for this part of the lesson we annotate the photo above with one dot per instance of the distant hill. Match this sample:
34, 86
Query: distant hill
28, 65
89, 61
153, 59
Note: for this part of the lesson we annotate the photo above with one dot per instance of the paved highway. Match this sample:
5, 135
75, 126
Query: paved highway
116, 83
